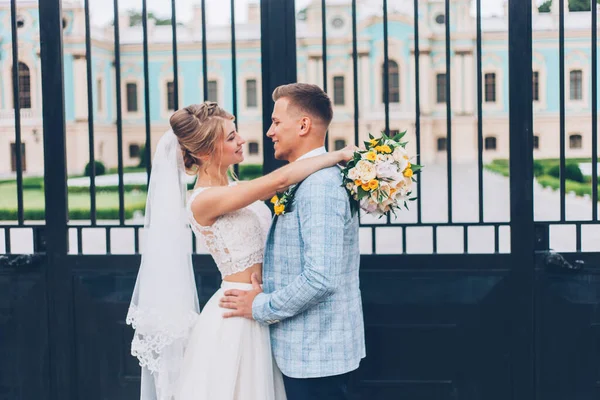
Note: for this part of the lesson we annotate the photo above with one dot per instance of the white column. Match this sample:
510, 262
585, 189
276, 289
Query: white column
410, 102
457, 74
364, 85
425, 79
79, 76
469, 83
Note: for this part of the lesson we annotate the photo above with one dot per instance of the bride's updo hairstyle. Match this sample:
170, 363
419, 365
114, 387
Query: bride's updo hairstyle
198, 128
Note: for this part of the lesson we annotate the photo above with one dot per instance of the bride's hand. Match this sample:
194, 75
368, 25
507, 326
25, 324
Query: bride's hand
347, 153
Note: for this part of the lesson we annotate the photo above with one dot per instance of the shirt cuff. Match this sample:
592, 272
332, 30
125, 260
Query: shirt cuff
260, 309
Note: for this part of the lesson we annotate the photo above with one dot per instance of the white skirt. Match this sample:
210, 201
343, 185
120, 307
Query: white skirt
229, 358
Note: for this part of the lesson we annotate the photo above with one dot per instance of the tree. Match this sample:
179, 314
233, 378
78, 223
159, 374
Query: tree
545, 7
135, 18
574, 5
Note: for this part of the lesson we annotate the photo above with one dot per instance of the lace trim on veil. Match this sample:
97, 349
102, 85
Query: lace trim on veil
147, 347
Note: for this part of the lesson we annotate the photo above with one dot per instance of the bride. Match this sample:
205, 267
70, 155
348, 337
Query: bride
186, 354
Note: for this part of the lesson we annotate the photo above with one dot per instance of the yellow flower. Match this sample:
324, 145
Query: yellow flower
366, 187
385, 149
371, 156
378, 148
374, 184
392, 191
274, 199
358, 182
408, 166
408, 173
280, 209
373, 142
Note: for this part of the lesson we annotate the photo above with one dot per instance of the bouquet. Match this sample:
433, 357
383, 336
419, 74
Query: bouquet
380, 177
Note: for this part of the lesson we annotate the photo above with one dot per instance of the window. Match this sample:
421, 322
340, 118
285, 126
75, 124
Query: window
13, 157
442, 144
170, 95
576, 84
338, 90
575, 141
99, 94
339, 144
131, 97
253, 148
490, 143
394, 132
393, 82
536, 142
490, 87
440, 82
251, 94
212, 91
24, 79
134, 151
536, 86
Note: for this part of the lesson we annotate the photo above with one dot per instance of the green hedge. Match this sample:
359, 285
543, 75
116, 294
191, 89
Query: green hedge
111, 188
32, 182
74, 214
572, 172
250, 171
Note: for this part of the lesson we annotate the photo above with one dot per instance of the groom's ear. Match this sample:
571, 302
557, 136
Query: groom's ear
305, 125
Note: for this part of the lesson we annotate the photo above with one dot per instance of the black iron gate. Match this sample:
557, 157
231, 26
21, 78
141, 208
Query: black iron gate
522, 324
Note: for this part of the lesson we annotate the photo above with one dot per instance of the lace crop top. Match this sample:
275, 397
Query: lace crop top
236, 240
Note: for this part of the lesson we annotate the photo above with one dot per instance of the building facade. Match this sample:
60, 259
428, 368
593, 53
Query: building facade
402, 85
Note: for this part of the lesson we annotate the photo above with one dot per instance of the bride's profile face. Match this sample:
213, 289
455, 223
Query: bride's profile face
232, 145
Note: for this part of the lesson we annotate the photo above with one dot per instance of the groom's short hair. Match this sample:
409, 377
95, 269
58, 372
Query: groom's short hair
309, 98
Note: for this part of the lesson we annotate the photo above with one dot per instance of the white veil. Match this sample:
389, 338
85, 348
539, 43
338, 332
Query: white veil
164, 305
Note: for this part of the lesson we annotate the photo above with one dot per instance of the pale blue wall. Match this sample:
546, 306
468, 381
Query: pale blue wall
191, 71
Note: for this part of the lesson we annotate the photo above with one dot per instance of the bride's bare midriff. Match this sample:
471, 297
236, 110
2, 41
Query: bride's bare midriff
244, 276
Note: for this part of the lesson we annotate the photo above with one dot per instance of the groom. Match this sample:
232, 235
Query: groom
311, 296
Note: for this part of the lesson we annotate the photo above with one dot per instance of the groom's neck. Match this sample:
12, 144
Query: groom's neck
303, 151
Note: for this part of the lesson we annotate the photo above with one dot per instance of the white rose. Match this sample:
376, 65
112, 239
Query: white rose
353, 174
402, 164
388, 171
400, 153
349, 185
366, 170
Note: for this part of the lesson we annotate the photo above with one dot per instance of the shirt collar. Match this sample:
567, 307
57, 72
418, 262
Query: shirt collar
313, 153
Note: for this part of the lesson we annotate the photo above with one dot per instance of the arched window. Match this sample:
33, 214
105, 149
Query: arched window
575, 141
393, 82
24, 78
576, 84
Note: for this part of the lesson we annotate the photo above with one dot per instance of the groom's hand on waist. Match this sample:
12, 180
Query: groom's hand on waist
240, 301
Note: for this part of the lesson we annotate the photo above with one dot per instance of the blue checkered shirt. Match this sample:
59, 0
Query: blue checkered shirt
311, 298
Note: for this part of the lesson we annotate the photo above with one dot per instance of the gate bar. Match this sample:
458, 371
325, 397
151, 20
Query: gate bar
417, 103
278, 54
522, 231
386, 73
175, 61
448, 110
90, 99
479, 113
561, 77
324, 44
204, 52
236, 167
119, 112
17, 110
594, 9
148, 146
62, 375
355, 73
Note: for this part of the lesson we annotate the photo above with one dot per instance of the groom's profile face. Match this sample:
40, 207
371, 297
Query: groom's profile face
285, 129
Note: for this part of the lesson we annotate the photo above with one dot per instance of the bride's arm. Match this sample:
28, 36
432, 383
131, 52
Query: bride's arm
219, 200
